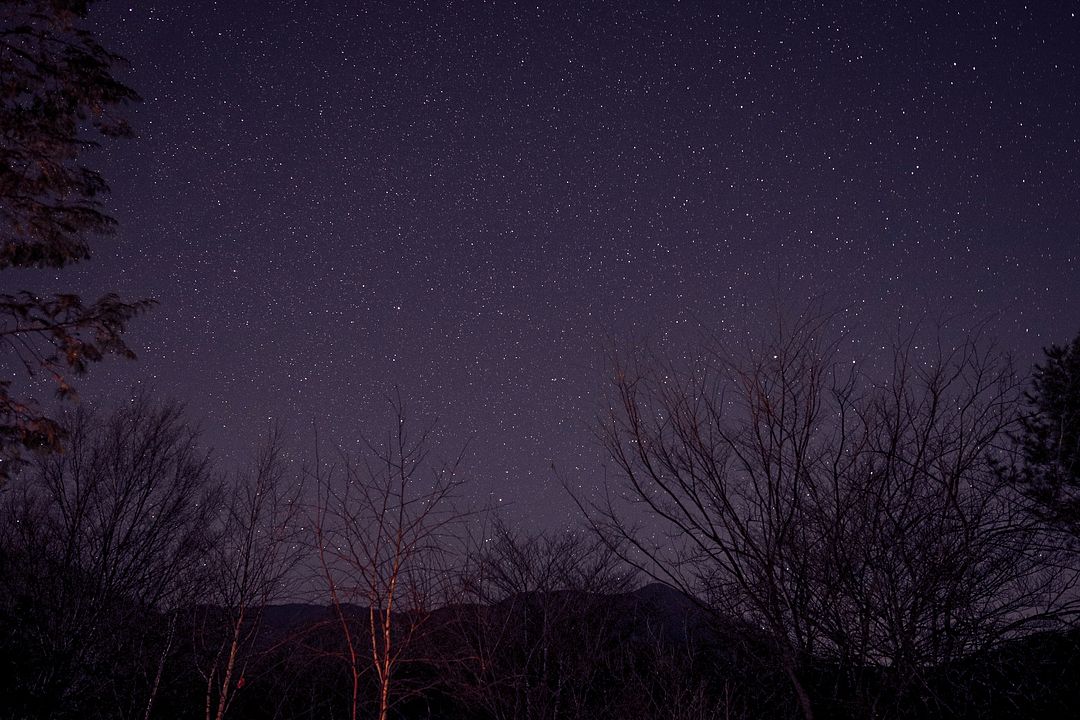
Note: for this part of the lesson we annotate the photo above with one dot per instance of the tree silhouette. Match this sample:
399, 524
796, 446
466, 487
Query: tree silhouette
57, 90
255, 550
860, 523
384, 528
1050, 436
100, 548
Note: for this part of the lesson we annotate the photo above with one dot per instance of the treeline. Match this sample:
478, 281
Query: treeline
830, 542
889, 541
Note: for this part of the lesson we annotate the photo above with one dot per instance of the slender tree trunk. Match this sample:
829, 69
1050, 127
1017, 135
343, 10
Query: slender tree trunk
160, 669
385, 663
800, 691
230, 666
210, 689
382, 659
335, 601
352, 658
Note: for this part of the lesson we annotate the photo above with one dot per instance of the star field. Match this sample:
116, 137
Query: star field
470, 200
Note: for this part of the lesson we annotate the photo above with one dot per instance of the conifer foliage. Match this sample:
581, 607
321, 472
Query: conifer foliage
1050, 439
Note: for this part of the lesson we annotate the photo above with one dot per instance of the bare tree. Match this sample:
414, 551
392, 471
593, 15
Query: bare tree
104, 543
856, 521
249, 567
671, 679
383, 527
535, 631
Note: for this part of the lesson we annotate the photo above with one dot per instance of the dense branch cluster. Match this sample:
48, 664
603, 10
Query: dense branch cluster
868, 522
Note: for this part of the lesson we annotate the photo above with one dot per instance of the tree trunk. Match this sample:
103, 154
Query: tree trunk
160, 669
800, 692
230, 666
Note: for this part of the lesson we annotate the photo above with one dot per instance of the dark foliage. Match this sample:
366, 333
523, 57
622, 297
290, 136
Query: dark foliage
57, 91
1050, 438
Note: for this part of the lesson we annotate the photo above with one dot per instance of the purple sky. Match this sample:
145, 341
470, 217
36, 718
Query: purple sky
470, 200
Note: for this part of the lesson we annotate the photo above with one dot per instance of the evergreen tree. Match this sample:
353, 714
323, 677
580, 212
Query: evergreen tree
1050, 436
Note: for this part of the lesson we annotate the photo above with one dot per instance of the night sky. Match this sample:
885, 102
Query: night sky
470, 200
